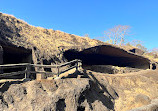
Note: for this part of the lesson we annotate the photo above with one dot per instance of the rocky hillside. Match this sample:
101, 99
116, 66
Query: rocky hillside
48, 44
75, 94
94, 92
138, 89
87, 90
47, 41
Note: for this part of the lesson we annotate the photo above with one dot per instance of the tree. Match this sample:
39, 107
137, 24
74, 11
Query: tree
138, 44
117, 34
86, 35
155, 52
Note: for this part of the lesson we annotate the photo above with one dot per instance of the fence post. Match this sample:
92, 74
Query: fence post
39, 75
58, 71
1, 70
28, 69
77, 65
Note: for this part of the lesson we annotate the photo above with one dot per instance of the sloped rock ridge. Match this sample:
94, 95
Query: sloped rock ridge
50, 46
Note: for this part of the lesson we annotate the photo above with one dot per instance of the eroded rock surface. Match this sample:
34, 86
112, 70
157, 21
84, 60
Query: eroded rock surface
134, 89
75, 94
98, 92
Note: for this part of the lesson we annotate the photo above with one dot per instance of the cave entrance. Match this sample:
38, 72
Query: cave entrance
15, 55
104, 57
153, 66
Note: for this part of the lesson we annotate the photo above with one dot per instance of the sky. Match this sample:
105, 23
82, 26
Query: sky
91, 17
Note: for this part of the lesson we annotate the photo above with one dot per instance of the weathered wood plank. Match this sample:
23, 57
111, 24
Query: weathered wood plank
44, 66
28, 69
54, 66
68, 69
67, 63
34, 72
12, 73
14, 65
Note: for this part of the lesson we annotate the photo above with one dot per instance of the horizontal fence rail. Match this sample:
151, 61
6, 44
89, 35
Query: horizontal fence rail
12, 73
27, 68
13, 66
77, 62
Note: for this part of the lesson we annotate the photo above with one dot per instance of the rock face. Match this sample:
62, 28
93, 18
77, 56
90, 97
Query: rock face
153, 106
108, 55
48, 46
47, 42
98, 92
61, 95
134, 89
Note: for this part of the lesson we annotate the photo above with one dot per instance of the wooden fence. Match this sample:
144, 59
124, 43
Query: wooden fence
28, 68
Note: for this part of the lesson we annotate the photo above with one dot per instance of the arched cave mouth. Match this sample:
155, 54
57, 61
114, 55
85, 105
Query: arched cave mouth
15, 55
105, 56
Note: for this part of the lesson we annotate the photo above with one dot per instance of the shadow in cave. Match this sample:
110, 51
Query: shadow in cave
15, 55
154, 66
103, 55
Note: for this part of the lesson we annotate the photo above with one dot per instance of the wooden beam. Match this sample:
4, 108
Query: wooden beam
9, 65
12, 73
34, 72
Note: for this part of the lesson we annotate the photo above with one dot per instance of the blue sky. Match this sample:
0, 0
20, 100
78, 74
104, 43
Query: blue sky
91, 17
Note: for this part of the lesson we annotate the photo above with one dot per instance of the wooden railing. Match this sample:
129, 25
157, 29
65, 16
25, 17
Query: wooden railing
72, 64
13, 66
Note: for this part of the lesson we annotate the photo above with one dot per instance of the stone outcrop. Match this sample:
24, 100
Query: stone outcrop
48, 46
47, 43
108, 55
61, 95
93, 92
96, 91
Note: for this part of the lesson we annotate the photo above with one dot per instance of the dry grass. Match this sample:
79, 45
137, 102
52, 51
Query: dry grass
151, 57
46, 40
125, 47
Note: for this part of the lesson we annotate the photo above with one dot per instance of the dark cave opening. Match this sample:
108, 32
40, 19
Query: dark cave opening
97, 57
46, 62
16, 55
153, 66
